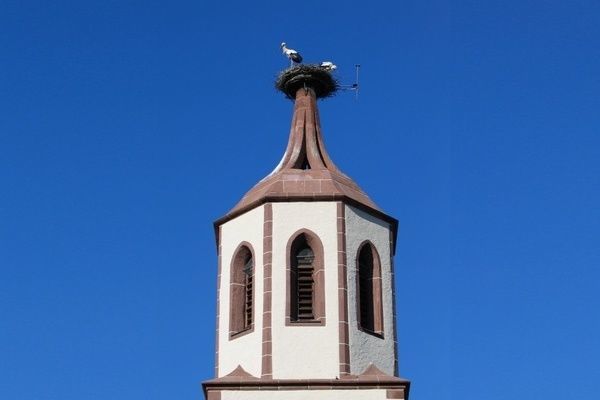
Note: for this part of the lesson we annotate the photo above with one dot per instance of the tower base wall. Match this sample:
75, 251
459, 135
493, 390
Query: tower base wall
331, 394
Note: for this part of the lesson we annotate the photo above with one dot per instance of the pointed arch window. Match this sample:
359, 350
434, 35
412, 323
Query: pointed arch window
306, 301
241, 293
369, 290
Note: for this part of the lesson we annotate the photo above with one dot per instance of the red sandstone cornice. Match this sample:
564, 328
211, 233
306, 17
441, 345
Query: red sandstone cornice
371, 378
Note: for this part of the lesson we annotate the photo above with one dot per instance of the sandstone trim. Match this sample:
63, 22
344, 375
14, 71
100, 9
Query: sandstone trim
267, 340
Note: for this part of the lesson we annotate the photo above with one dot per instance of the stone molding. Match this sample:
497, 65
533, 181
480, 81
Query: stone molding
344, 334
316, 245
371, 378
377, 292
267, 340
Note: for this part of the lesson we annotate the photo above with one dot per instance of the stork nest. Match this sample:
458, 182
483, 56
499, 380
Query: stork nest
306, 75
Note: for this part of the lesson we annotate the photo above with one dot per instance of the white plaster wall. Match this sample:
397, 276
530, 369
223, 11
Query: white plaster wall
305, 351
245, 350
364, 394
366, 348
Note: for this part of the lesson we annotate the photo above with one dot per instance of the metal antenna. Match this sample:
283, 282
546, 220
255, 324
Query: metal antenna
356, 84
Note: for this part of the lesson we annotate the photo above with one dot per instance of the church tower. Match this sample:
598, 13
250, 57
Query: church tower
305, 297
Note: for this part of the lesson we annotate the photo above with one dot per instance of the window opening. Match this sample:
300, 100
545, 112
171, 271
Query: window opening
370, 306
241, 292
248, 286
304, 284
365, 279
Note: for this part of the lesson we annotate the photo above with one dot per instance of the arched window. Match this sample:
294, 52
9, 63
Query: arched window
305, 280
369, 292
241, 297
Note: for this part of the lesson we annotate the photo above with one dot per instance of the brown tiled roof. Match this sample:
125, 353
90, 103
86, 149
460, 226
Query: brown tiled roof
306, 172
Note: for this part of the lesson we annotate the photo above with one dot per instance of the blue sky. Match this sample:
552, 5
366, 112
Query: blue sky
127, 127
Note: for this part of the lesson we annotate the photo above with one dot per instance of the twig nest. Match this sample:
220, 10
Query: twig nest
312, 76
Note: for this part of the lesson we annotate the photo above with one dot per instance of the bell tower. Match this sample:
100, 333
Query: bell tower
305, 297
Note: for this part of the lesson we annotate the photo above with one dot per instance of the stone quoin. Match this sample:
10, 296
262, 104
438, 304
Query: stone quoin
305, 296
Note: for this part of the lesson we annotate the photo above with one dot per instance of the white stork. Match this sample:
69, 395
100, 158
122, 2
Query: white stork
293, 55
328, 66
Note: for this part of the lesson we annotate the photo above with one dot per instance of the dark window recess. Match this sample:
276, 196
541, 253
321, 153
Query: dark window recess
248, 272
370, 306
365, 279
303, 285
305, 164
241, 292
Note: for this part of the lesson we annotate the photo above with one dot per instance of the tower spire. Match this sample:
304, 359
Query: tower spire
305, 149
306, 172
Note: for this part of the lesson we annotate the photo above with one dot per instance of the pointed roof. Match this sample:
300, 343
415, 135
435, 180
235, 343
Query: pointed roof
306, 172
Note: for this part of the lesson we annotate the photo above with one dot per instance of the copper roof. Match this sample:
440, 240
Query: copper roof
306, 172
